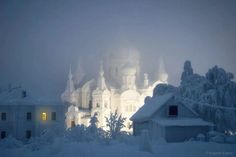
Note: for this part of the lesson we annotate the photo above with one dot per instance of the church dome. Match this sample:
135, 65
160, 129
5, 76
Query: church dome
128, 70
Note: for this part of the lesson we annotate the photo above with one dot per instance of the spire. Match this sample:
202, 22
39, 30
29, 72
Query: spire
70, 74
67, 95
70, 83
101, 84
101, 71
162, 74
79, 73
145, 81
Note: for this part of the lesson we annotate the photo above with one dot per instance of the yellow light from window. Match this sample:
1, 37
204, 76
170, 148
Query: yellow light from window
44, 116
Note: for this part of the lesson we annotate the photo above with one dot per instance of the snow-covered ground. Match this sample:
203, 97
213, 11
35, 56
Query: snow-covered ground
61, 148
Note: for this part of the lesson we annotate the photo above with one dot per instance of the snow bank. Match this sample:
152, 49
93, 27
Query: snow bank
93, 149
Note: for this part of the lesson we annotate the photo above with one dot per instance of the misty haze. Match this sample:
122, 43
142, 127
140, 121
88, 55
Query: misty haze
39, 40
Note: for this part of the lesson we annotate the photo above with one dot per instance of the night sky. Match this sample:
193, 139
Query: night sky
40, 39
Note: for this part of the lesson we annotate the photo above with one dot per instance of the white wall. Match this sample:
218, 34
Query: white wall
16, 123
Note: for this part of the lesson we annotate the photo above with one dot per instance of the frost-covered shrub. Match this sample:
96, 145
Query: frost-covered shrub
57, 145
218, 138
36, 143
10, 143
46, 137
115, 123
191, 139
211, 134
200, 137
78, 134
162, 89
93, 123
124, 137
129, 139
92, 129
81, 133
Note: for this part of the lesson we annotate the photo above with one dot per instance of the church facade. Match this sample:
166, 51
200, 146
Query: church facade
116, 88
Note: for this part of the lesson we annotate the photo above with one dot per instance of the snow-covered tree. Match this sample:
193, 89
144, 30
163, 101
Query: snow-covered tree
94, 120
115, 123
188, 71
162, 89
218, 76
209, 94
93, 124
77, 134
219, 120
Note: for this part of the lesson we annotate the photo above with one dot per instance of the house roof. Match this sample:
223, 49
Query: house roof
182, 122
149, 108
14, 97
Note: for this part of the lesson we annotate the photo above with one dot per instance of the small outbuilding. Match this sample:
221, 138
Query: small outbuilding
167, 117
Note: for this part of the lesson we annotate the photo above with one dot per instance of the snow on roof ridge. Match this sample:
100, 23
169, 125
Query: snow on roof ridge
150, 107
14, 97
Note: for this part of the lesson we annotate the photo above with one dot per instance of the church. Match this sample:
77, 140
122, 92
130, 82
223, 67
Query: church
119, 87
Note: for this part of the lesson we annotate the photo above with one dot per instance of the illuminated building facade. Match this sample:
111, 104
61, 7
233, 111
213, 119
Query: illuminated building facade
117, 87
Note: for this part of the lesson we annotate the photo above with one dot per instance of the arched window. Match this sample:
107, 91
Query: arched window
105, 104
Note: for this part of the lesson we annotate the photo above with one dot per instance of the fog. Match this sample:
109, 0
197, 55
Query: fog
40, 39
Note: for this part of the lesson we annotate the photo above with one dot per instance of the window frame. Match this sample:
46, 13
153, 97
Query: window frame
28, 116
3, 118
3, 134
53, 116
169, 111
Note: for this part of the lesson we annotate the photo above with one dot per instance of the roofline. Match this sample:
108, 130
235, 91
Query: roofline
171, 96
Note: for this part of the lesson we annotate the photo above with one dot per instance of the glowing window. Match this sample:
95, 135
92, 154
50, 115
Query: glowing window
44, 116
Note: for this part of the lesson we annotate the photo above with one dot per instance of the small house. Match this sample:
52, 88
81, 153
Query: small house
22, 116
167, 117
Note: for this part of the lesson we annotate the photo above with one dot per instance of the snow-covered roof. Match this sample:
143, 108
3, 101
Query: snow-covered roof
149, 108
182, 122
14, 97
